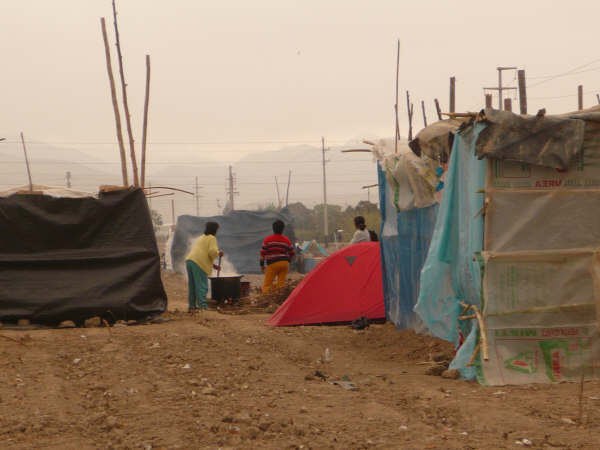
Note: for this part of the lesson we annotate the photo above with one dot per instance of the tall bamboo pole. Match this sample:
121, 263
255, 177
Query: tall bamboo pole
396, 105
145, 130
136, 180
113, 94
27, 162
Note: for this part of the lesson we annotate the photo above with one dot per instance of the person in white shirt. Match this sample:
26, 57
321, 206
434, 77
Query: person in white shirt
361, 234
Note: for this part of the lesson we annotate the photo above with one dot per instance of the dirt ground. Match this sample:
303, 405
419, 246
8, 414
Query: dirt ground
226, 381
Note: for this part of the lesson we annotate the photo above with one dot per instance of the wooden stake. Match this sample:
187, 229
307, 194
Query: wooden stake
27, 162
522, 92
452, 94
507, 104
424, 114
409, 108
287, 194
580, 96
396, 105
113, 94
438, 109
278, 196
134, 167
145, 129
482, 332
488, 100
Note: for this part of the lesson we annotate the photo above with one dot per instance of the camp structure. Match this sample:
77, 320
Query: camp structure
409, 190
512, 275
240, 236
70, 255
310, 255
344, 287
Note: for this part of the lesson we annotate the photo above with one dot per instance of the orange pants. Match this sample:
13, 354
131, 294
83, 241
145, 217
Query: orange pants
280, 270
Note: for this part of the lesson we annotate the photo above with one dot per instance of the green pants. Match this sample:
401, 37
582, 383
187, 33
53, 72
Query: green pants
197, 286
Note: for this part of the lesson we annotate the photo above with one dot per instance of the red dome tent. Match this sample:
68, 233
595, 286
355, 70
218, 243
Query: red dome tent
345, 286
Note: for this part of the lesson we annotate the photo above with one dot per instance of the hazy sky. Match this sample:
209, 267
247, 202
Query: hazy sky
233, 73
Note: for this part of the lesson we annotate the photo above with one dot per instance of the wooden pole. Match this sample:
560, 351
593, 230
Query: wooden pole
424, 114
598, 98
452, 94
488, 100
580, 96
507, 104
522, 92
287, 194
173, 212
278, 195
113, 93
409, 108
396, 105
145, 128
438, 109
134, 167
27, 162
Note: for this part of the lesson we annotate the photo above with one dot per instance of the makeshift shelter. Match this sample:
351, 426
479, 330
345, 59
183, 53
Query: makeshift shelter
310, 255
344, 287
408, 199
517, 236
240, 235
69, 255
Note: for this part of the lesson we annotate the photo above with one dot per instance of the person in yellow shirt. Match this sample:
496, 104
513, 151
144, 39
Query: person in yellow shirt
200, 264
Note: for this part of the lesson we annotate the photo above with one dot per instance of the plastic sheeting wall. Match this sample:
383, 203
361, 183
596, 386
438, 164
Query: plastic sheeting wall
240, 236
405, 238
542, 266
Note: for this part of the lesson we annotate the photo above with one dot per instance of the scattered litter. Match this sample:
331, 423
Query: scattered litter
499, 393
349, 386
76, 361
328, 357
593, 397
186, 366
464, 433
83, 336
403, 427
525, 442
155, 345
321, 375
567, 420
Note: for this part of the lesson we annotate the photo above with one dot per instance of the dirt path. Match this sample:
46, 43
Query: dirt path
219, 381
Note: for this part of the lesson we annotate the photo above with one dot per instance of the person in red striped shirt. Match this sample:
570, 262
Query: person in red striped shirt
275, 257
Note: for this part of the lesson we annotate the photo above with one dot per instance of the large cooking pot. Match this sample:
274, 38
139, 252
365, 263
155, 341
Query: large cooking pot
225, 288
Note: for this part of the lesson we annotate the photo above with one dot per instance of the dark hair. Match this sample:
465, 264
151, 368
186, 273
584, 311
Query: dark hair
278, 226
211, 228
359, 222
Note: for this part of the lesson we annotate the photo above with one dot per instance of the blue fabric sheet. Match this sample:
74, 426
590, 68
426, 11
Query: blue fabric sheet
450, 273
404, 238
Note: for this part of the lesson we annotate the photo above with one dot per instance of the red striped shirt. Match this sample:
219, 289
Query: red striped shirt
276, 248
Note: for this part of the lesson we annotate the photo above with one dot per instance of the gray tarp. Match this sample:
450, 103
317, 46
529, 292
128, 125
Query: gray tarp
240, 236
548, 141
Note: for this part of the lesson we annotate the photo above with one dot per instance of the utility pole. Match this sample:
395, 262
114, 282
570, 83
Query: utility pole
500, 88
325, 218
231, 190
287, 194
522, 92
197, 199
149, 198
424, 114
68, 176
580, 96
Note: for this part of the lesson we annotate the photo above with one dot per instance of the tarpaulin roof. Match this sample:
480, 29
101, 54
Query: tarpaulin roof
345, 286
74, 258
435, 141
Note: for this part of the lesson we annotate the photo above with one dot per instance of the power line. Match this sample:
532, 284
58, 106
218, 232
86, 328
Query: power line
569, 72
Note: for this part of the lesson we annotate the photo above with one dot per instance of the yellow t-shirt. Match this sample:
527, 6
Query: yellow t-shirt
204, 252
